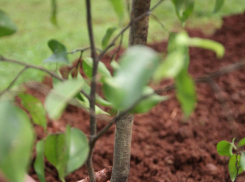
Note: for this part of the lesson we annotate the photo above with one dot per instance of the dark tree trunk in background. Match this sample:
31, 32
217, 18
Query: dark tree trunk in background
123, 132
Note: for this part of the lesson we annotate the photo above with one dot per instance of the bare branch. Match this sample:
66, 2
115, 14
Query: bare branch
14, 80
160, 23
93, 125
215, 74
125, 28
31, 66
82, 50
225, 106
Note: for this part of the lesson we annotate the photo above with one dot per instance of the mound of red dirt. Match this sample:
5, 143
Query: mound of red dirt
164, 147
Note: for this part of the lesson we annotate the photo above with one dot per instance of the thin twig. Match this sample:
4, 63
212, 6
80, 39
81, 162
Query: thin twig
206, 78
119, 48
120, 115
158, 21
125, 28
215, 74
31, 66
93, 125
226, 108
14, 80
82, 50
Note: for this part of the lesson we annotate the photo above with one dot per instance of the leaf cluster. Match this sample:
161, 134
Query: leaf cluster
237, 160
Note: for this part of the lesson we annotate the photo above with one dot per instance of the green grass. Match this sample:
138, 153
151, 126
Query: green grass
29, 44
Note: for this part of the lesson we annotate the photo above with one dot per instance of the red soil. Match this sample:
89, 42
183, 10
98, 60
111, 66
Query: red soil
164, 148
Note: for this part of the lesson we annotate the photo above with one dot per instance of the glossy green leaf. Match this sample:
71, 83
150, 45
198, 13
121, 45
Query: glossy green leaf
137, 66
171, 66
175, 45
58, 97
185, 92
7, 27
88, 67
86, 89
59, 53
39, 161
241, 142
66, 151
218, 5
148, 103
84, 102
106, 38
118, 7
56, 152
223, 148
242, 161
184, 39
78, 152
53, 18
232, 166
35, 108
114, 65
16, 141
183, 9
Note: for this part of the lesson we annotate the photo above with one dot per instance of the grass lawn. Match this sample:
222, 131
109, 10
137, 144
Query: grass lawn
29, 44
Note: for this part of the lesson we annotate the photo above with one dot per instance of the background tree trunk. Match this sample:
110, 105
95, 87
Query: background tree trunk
123, 132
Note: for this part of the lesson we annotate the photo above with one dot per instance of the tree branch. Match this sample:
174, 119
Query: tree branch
31, 66
14, 80
206, 78
82, 50
93, 125
127, 27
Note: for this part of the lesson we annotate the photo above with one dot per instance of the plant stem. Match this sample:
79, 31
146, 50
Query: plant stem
122, 146
124, 126
93, 125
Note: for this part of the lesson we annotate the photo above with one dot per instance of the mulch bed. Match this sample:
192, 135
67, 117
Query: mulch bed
164, 147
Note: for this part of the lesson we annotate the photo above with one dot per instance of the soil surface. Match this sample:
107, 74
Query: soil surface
165, 148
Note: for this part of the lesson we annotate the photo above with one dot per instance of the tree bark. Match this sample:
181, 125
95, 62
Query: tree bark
123, 132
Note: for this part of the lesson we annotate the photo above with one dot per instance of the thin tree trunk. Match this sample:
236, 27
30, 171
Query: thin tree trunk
123, 132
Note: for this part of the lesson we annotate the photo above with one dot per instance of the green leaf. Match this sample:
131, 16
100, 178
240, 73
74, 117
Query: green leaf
203, 43
58, 97
223, 148
53, 18
184, 9
242, 161
88, 67
59, 53
35, 108
218, 5
56, 152
148, 103
171, 66
232, 166
84, 102
137, 66
174, 44
78, 152
114, 65
39, 161
67, 152
185, 92
7, 27
107, 36
16, 141
86, 89
118, 7
241, 142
